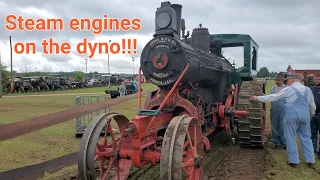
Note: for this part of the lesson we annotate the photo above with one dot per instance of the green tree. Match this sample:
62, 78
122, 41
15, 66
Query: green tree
240, 69
263, 73
5, 76
79, 76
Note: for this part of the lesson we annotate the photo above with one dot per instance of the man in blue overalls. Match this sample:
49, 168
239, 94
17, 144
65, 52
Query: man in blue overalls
315, 121
300, 107
277, 113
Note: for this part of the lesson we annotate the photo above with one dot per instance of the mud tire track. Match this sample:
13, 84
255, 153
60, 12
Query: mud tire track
242, 163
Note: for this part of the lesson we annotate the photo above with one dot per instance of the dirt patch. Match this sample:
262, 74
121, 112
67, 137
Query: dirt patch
240, 163
224, 162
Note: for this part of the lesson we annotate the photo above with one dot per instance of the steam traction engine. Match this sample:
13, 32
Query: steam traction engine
199, 92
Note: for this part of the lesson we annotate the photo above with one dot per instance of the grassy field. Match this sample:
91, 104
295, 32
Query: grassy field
50, 142
60, 139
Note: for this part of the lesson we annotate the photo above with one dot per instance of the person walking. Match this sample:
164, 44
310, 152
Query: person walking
277, 113
315, 120
299, 107
122, 89
265, 82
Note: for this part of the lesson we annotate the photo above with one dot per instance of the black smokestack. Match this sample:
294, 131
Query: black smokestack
178, 8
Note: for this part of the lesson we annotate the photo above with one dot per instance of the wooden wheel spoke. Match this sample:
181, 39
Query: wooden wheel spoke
190, 162
96, 157
195, 139
118, 170
109, 168
105, 137
190, 143
112, 135
186, 171
101, 168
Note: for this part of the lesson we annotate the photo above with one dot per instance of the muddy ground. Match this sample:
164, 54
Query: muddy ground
225, 161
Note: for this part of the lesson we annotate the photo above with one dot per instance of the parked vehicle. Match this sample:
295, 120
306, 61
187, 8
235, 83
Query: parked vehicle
131, 88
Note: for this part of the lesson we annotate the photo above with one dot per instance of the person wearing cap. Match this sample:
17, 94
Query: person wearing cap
277, 113
299, 107
315, 120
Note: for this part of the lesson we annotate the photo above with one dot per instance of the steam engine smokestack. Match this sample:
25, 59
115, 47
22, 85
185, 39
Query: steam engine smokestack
178, 9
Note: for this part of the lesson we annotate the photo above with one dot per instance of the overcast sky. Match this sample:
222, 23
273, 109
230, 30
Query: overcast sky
287, 31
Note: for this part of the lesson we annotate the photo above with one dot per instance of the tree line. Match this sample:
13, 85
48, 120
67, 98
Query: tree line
263, 72
6, 75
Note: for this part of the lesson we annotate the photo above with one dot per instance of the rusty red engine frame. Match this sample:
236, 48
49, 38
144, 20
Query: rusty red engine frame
138, 142
144, 128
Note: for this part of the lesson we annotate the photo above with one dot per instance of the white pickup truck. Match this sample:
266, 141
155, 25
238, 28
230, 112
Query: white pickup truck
94, 83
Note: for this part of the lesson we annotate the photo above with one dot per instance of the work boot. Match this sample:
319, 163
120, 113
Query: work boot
311, 165
294, 165
277, 146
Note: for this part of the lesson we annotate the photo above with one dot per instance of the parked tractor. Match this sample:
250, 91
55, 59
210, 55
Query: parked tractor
76, 85
27, 84
53, 82
198, 92
40, 84
65, 83
17, 85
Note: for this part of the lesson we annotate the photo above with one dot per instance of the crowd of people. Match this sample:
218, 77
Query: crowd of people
295, 109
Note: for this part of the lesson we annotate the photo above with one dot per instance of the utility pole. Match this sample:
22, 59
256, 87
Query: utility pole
132, 66
0, 76
109, 68
11, 87
86, 64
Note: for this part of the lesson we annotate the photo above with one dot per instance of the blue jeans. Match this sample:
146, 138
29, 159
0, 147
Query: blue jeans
122, 93
315, 128
277, 115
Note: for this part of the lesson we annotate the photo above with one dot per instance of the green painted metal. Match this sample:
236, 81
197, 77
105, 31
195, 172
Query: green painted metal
148, 112
241, 40
236, 78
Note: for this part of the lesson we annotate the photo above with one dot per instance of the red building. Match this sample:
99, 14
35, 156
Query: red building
304, 69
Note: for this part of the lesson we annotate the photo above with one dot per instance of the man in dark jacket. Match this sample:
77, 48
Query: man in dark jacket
315, 120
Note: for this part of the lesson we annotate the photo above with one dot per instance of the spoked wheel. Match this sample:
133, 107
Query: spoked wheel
98, 158
182, 150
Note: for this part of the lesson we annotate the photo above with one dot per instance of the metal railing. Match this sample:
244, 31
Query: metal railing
83, 121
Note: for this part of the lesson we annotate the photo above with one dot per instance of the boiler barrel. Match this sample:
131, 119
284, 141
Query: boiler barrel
164, 58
